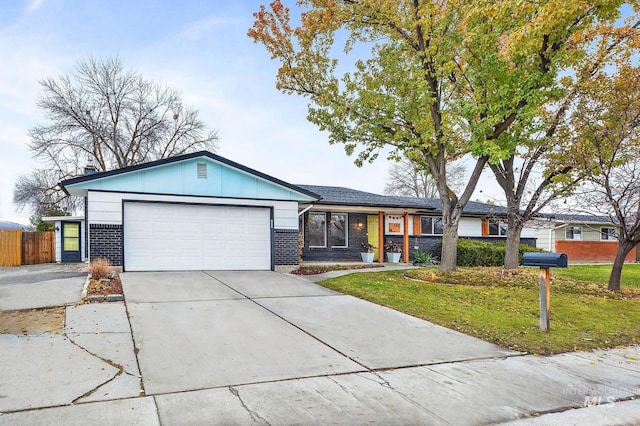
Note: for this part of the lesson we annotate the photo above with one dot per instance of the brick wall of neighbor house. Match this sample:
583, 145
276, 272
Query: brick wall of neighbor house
591, 251
106, 241
356, 237
285, 247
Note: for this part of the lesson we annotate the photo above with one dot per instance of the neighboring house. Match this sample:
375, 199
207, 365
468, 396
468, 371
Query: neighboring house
192, 212
584, 238
334, 227
71, 238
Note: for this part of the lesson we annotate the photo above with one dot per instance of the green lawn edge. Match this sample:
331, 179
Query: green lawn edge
503, 307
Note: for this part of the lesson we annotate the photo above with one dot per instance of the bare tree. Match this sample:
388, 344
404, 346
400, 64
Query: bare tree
112, 116
408, 179
606, 126
40, 192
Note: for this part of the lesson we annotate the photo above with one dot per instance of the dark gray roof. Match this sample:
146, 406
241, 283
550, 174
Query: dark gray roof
13, 225
336, 195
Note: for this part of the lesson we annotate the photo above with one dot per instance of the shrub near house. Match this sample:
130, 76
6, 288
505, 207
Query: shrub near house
481, 253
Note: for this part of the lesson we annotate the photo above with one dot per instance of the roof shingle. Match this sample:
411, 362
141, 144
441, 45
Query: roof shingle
336, 195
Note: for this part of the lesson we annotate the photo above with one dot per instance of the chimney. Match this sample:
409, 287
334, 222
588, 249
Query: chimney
90, 169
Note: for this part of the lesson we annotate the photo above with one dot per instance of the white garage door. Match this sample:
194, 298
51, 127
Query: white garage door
177, 237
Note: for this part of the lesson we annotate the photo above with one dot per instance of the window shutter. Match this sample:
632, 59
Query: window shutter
416, 225
485, 227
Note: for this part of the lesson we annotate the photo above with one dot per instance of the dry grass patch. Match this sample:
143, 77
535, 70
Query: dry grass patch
33, 321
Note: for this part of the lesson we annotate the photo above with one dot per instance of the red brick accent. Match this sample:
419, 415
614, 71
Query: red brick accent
591, 251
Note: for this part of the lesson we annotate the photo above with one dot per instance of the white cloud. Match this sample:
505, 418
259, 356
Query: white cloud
35, 5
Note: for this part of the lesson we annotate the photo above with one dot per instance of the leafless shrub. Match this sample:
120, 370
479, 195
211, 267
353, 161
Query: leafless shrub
99, 268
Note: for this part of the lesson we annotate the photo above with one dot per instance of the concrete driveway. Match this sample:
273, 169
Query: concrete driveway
39, 286
266, 348
198, 330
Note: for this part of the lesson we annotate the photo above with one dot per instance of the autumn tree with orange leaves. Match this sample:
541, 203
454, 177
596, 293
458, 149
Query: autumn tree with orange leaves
432, 80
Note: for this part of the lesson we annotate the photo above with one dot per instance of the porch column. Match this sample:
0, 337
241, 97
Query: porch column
405, 238
380, 237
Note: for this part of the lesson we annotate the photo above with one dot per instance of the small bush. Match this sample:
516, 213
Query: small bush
483, 253
99, 268
423, 258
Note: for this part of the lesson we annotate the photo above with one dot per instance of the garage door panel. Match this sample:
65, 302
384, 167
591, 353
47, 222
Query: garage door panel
183, 237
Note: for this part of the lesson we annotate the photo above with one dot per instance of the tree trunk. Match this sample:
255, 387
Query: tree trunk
449, 257
616, 273
512, 246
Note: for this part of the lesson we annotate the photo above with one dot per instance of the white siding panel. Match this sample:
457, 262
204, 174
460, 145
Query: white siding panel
542, 235
58, 226
106, 207
470, 227
528, 232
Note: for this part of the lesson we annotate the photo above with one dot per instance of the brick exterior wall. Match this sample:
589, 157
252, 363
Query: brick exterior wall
356, 237
106, 241
591, 251
359, 235
285, 247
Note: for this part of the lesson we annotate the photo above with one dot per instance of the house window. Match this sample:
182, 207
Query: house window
338, 230
202, 170
573, 233
497, 228
317, 231
431, 225
608, 234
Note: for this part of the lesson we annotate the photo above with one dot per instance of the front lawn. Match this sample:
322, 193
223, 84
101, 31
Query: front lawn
600, 274
503, 307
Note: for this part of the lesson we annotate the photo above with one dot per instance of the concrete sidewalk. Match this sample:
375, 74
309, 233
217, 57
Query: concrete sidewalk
266, 348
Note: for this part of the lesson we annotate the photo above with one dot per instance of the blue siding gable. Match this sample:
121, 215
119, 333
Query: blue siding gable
181, 178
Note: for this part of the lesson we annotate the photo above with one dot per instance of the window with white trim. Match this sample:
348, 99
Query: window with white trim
608, 234
573, 233
431, 225
338, 230
497, 228
317, 230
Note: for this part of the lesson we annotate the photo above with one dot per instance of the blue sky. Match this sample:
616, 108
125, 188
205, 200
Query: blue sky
197, 47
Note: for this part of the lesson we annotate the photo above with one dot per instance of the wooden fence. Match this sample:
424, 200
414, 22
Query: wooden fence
26, 248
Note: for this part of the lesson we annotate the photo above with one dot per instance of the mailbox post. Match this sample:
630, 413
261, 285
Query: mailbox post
545, 261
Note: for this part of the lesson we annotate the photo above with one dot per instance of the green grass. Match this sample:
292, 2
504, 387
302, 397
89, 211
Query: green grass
600, 274
504, 308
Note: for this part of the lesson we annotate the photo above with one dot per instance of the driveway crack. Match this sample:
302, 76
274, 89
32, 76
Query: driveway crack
254, 416
108, 361
90, 392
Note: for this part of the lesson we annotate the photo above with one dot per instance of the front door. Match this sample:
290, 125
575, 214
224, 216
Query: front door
70, 242
372, 232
